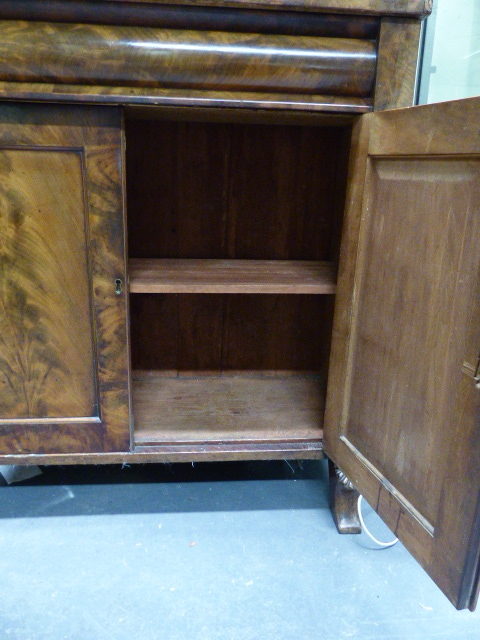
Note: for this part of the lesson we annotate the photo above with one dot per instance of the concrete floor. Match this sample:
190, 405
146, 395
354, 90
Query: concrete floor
242, 551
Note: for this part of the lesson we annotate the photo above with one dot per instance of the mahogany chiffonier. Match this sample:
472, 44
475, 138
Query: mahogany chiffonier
222, 239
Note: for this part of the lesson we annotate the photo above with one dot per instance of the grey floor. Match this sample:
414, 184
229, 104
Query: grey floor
241, 551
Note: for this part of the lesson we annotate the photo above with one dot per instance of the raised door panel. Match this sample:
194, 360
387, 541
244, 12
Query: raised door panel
63, 338
403, 409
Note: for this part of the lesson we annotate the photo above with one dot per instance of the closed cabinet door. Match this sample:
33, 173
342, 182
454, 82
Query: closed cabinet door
63, 322
403, 405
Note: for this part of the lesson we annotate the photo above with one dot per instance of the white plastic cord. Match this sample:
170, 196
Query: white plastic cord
383, 545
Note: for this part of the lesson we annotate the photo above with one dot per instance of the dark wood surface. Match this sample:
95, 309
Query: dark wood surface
225, 333
398, 51
233, 191
198, 18
240, 100
370, 7
321, 56
209, 60
226, 115
403, 408
64, 365
222, 191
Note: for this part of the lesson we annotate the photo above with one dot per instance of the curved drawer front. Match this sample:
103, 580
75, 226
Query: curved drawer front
37, 52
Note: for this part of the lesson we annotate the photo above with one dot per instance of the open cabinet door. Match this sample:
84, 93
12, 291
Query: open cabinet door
403, 405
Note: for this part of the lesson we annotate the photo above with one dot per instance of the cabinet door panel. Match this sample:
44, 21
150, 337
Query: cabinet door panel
403, 409
63, 365
46, 325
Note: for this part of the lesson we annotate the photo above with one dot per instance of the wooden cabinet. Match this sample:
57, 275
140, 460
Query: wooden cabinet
64, 365
233, 240
248, 317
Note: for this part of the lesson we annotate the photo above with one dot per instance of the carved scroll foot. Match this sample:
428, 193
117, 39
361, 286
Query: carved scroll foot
343, 501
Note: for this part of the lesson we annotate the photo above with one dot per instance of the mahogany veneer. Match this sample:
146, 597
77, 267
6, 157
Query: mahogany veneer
178, 281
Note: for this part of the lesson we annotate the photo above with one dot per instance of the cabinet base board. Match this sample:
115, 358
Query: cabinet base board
185, 453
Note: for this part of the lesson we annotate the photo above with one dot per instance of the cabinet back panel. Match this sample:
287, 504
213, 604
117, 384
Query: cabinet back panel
209, 190
233, 191
217, 334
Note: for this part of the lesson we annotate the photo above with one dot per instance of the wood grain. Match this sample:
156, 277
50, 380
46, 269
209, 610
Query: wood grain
46, 355
403, 331
232, 409
291, 102
276, 333
238, 191
231, 276
222, 333
146, 57
203, 190
63, 365
370, 7
282, 190
186, 452
236, 116
343, 503
397, 63
190, 17
418, 282
154, 332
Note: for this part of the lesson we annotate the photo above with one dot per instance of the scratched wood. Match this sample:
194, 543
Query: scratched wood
227, 409
403, 408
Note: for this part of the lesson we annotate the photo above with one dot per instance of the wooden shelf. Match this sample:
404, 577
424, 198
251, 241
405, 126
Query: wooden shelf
232, 276
247, 408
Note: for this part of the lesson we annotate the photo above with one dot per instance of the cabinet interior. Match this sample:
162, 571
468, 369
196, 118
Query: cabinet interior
234, 227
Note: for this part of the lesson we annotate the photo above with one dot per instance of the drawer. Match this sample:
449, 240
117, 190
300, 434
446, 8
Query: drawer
198, 55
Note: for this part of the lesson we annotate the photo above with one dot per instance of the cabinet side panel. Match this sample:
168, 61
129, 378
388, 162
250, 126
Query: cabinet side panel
46, 356
397, 63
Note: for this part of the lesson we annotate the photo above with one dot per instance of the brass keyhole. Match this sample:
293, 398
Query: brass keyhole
118, 286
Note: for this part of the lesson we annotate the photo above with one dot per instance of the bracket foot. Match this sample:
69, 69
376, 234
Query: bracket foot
343, 501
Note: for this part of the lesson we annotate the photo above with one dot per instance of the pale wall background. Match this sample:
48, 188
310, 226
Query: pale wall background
451, 61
